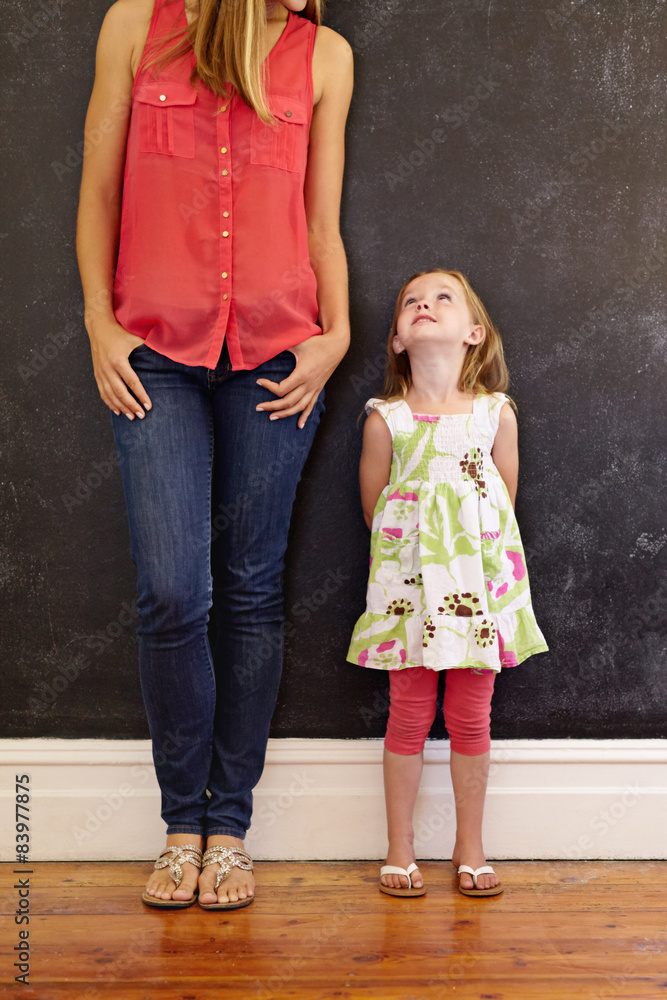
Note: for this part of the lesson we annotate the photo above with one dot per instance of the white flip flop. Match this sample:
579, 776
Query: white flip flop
409, 890
484, 870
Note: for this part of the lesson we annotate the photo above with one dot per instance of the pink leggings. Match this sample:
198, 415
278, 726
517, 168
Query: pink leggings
467, 709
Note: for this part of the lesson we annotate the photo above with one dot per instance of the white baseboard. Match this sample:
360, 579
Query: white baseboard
323, 800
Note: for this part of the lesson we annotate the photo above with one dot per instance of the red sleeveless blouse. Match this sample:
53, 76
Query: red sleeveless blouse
213, 235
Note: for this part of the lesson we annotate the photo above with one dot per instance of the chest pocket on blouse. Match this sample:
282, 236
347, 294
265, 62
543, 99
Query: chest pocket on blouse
282, 145
166, 117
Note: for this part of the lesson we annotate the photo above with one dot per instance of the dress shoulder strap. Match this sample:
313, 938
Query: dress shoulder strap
393, 412
487, 413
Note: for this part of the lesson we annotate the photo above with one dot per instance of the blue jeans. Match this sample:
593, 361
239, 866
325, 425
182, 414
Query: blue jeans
209, 484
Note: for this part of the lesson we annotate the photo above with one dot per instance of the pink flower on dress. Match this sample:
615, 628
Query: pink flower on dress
502, 590
388, 662
395, 532
427, 418
489, 536
518, 565
397, 495
507, 657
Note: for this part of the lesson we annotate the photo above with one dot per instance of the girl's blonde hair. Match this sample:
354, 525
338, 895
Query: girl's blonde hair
484, 369
225, 36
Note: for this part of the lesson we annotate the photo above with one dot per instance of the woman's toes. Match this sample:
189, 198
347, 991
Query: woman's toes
466, 881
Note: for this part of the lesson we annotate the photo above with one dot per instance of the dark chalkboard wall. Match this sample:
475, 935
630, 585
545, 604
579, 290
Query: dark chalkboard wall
523, 143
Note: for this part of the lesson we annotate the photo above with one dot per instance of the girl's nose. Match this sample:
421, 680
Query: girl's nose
422, 305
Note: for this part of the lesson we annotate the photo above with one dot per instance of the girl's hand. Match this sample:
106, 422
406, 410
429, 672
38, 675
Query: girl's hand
110, 346
316, 359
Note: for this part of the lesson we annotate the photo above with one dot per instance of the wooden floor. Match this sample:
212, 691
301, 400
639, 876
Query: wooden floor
322, 930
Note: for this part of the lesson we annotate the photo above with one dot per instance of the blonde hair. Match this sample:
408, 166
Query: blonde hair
484, 367
225, 36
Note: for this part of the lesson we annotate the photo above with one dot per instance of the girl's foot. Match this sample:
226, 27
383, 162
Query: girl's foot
162, 886
238, 885
473, 856
402, 855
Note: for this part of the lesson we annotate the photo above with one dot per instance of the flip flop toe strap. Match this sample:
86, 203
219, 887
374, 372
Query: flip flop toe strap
484, 870
177, 855
227, 858
394, 870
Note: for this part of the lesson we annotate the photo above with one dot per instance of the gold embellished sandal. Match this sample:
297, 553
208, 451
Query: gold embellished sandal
175, 856
227, 858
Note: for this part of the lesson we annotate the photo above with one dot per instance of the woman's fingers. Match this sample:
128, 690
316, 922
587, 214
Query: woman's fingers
304, 403
116, 381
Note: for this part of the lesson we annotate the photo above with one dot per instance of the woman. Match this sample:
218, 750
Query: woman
222, 124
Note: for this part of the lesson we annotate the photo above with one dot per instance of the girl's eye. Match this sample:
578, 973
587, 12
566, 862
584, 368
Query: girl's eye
408, 301
444, 295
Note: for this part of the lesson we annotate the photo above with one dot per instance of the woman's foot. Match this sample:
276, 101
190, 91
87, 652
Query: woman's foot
402, 855
162, 886
238, 885
473, 856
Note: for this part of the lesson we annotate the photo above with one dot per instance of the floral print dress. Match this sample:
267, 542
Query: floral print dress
448, 585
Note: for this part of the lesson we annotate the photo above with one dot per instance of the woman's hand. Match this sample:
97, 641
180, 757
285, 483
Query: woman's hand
110, 345
316, 359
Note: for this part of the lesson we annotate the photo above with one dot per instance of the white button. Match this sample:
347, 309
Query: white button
225, 295
225, 233
163, 97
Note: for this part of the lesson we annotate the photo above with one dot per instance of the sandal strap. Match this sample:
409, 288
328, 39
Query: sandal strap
177, 855
484, 870
395, 870
227, 858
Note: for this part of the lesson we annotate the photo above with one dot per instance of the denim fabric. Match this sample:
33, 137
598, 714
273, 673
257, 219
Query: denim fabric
209, 484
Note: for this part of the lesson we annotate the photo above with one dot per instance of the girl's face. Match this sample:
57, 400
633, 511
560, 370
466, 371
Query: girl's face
434, 310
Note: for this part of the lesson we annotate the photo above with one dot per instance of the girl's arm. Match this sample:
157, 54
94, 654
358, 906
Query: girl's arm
505, 451
99, 204
375, 464
317, 357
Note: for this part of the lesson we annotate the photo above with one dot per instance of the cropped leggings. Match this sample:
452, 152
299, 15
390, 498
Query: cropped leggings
467, 709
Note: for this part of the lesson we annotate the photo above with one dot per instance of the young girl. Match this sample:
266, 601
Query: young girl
448, 588
216, 304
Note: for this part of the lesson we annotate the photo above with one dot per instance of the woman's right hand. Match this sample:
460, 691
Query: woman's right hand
111, 345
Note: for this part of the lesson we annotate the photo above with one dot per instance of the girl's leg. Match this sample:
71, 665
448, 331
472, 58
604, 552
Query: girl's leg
413, 694
257, 467
165, 461
467, 710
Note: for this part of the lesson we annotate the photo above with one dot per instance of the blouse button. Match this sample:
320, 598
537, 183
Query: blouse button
225, 172
224, 149
224, 274
163, 97
225, 295
289, 114
225, 233
226, 215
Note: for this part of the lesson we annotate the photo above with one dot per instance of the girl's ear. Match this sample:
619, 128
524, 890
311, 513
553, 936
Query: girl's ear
476, 336
397, 345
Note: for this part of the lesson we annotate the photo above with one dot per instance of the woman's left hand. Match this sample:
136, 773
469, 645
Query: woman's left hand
316, 359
